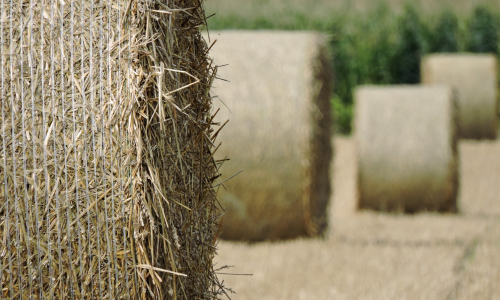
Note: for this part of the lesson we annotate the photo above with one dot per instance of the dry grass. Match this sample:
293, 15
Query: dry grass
482, 274
106, 151
479, 164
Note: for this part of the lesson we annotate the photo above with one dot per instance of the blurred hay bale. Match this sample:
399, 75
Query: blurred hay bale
278, 105
475, 78
407, 148
106, 151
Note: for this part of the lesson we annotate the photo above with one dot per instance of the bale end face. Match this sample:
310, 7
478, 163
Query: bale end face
407, 149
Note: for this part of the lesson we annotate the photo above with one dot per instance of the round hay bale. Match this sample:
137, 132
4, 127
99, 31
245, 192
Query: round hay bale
407, 148
279, 132
105, 182
475, 78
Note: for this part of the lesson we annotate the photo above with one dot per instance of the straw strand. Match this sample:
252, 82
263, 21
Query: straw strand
26, 230
111, 127
85, 154
120, 174
14, 169
45, 162
5, 195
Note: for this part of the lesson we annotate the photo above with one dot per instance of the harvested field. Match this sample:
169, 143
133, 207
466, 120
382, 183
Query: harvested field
482, 271
384, 256
476, 158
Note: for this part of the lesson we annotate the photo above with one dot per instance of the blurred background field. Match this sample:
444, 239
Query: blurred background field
366, 254
369, 255
371, 42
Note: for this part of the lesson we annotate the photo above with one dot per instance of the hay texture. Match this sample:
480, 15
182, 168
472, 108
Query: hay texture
278, 106
407, 148
106, 151
475, 78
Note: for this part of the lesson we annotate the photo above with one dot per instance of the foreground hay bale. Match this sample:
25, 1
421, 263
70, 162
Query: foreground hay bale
407, 148
106, 162
278, 105
475, 78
